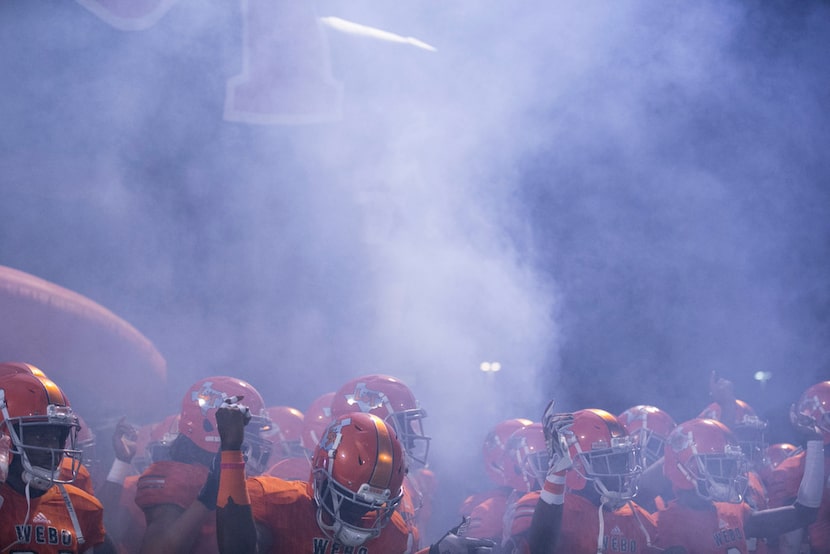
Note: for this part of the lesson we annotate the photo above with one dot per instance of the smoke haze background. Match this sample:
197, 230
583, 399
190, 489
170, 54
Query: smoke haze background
609, 199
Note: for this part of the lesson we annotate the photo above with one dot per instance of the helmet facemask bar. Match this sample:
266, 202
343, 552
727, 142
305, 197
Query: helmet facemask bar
408, 424
349, 517
537, 466
751, 439
256, 449
720, 477
651, 445
159, 450
614, 470
45, 470
89, 455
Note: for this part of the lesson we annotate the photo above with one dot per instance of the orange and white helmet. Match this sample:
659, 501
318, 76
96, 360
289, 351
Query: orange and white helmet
814, 403
36, 416
703, 455
198, 418
526, 458
649, 426
749, 429
357, 477
392, 401
603, 454
162, 435
494, 452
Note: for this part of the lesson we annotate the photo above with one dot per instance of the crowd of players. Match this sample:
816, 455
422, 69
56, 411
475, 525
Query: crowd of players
350, 475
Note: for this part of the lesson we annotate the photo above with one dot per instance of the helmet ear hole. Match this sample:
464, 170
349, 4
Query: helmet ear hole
207, 426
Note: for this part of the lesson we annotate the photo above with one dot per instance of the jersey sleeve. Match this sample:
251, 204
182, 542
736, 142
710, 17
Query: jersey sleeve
170, 483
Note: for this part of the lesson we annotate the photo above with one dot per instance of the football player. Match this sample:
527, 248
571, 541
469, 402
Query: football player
586, 504
491, 505
178, 499
392, 400
813, 411
708, 472
41, 510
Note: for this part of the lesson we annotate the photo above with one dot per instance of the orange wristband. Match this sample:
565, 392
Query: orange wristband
553, 491
232, 480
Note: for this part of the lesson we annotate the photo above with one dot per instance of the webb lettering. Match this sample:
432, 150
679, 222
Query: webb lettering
726, 536
43, 534
619, 544
325, 546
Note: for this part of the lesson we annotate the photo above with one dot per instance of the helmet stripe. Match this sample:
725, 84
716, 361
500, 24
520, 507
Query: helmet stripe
53, 392
382, 473
614, 426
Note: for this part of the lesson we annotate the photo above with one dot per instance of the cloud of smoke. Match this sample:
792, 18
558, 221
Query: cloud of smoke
609, 200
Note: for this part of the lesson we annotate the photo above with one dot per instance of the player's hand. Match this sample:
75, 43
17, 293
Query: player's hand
721, 390
555, 424
231, 419
453, 543
805, 425
124, 441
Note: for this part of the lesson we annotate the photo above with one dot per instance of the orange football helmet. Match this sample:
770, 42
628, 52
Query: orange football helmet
392, 401
37, 417
649, 426
198, 418
603, 454
527, 458
703, 455
493, 451
749, 429
815, 404
357, 477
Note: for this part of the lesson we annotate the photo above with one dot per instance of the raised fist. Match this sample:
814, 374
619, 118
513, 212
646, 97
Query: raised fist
231, 419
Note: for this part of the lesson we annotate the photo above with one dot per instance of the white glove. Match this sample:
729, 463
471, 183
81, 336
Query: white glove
452, 543
554, 425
